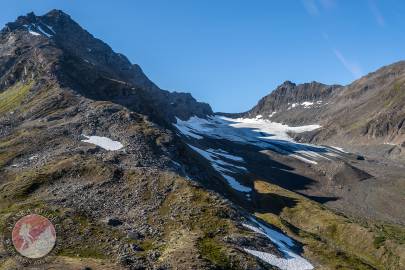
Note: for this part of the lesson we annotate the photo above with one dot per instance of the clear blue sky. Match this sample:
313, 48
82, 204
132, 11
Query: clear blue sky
230, 53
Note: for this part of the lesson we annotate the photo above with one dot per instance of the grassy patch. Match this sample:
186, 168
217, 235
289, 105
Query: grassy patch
87, 252
212, 251
332, 239
13, 97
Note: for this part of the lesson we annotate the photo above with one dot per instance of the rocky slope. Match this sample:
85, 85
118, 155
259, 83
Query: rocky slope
367, 115
80, 61
141, 178
295, 104
132, 208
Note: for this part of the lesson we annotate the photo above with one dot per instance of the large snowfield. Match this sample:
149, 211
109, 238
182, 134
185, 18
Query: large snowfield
260, 132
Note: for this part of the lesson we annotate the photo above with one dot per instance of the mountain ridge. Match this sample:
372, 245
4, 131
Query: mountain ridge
368, 111
184, 189
100, 63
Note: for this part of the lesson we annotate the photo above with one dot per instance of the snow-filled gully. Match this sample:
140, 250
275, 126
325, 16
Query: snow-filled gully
290, 260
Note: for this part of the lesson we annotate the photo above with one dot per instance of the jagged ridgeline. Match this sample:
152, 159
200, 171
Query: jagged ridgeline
86, 136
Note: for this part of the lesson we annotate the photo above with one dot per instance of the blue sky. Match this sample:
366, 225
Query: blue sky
230, 53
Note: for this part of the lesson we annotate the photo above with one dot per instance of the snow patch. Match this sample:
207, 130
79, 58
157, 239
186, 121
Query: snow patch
50, 28
104, 142
34, 33
223, 167
259, 132
339, 149
307, 104
44, 32
187, 127
290, 261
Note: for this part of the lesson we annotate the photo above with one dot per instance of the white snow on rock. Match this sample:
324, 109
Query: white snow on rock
104, 142
40, 29
339, 149
225, 154
247, 130
290, 260
33, 157
263, 133
224, 167
272, 114
34, 33
44, 32
50, 28
187, 129
307, 104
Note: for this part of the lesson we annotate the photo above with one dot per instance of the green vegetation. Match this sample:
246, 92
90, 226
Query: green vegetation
13, 97
199, 231
389, 232
211, 250
395, 96
83, 252
333, 239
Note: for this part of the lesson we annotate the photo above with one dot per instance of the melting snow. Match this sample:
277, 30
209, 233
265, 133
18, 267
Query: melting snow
223, 167
33, 157
260, 132
290, 261
34, 33
307, 104
340, 149
40, 29
50, 28
44, 32
103, 142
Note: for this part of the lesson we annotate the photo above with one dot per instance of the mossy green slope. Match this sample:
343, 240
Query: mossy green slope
331, 239
12, 97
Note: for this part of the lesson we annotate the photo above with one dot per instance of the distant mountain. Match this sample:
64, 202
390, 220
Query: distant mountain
368, 112
136, 177
290, 102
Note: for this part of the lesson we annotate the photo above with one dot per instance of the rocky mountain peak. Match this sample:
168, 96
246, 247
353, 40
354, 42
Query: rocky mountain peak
290, 97
54, 45
287, 84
